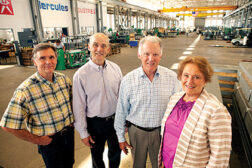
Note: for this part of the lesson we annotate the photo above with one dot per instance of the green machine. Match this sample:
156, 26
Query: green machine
75, 58
114, 37
156, 31
228, 35
138, 34
121, 38
60, 60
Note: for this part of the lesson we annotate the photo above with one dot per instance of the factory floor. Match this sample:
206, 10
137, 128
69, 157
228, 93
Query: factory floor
16, 153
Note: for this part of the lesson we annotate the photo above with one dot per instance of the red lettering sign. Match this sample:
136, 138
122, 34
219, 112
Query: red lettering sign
86, 10
6, 7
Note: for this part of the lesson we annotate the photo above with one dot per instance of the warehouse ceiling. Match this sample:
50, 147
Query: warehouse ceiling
159, 4
196, 3
156, 5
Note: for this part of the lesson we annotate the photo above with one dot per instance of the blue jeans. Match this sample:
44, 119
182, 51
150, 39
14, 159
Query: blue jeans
60, 152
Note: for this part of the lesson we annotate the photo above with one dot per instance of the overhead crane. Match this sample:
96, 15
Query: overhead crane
196, 9
200, 14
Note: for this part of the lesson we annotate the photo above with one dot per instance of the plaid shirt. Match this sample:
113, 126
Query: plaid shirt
40, 106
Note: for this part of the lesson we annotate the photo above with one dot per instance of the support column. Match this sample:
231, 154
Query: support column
75, 17
151, 21
138, 19
37, 22
145, 20
156, 21
123, 17
128, 20
99, 16
116, 17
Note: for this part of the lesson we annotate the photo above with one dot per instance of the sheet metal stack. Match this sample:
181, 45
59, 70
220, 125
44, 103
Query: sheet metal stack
243, 105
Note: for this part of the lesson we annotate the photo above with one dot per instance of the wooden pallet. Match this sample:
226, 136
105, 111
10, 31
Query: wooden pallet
27, 56
115, 49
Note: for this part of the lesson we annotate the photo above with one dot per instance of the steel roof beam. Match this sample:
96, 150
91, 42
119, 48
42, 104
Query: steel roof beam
191, 9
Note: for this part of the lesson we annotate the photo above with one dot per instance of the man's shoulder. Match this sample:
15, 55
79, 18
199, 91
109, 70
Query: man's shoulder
84, 69
60, 75
166, 71
111, 63
27, 83
133, 73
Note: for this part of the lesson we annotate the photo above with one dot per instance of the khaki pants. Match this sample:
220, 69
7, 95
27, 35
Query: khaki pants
144, 142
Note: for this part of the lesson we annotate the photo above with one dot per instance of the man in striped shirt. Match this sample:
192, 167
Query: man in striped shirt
40, 110
143, 97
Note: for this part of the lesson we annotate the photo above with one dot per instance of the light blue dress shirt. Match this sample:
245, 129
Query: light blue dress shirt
95, 93
143, 102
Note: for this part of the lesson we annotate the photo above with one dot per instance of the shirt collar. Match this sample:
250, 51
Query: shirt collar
142, 73
97, 67
43, 80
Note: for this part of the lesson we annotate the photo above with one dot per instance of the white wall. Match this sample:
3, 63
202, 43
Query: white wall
22, 17
213, 21
56, 18
50, 17
87, 14
110, 21
187, 22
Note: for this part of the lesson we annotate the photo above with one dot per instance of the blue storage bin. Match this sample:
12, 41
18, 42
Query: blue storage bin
133, 43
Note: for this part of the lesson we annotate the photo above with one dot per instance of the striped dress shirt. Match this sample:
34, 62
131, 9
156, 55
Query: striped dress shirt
40, 106
205, 141
143, 102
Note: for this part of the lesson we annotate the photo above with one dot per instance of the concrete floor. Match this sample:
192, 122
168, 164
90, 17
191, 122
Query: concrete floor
16, 153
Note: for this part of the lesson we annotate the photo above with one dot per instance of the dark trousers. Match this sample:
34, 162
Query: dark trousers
102, 130
60, 152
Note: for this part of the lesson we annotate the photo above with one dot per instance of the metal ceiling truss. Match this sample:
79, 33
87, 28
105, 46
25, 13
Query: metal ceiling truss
198, 3
196, 9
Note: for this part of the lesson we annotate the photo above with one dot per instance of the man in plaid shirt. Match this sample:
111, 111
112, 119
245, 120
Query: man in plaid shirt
40, 110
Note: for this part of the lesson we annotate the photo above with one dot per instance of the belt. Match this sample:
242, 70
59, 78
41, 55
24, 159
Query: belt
148, 129
106, 118
63, 131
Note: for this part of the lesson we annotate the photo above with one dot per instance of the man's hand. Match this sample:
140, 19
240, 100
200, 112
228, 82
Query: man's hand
42, 140
124, 147
88, 141
27, 136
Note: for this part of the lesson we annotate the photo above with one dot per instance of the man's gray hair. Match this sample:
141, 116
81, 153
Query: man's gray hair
43, 46
153, 39
91, 39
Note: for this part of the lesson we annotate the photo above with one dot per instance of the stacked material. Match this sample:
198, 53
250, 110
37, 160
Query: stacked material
132, 36
115, 48
27, 56
227, 78
245, 80
243, 107
245, 93
161, 30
